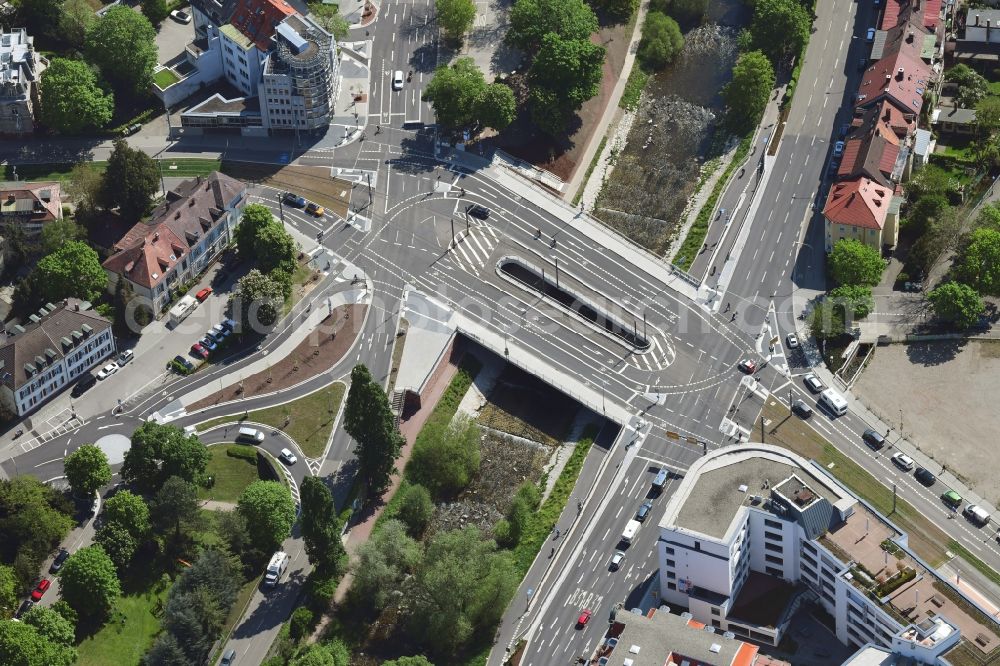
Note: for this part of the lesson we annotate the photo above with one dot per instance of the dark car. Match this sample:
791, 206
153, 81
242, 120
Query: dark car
747, 366
802, 409
84, 383
188, 365
924, 476
59, 560
873, 439
228, 658
293, 200
24, 607
478, 212
644, 510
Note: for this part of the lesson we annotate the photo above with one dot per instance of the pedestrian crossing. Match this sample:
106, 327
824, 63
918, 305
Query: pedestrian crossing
660, 355
472, 249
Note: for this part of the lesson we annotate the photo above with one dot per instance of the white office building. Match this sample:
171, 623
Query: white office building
20, 70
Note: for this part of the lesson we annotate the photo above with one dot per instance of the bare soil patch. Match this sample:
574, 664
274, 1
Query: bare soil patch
314, 355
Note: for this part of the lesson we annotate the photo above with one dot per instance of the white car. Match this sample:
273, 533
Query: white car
616, 560
903, 461
288, 457
792, 340
813, 383
107, 371
397, 80
180, 16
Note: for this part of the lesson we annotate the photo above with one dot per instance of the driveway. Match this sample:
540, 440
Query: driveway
171, 38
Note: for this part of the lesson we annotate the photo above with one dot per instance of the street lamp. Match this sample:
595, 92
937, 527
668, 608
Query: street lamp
281, 208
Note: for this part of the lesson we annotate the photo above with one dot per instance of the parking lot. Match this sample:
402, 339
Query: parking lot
946, 395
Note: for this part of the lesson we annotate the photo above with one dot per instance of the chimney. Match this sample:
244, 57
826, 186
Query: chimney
899, 74
987, 30
909, 37
156, 236
977, 19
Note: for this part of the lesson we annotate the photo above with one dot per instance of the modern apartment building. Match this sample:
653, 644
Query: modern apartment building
755, 531
20, 69
60, 343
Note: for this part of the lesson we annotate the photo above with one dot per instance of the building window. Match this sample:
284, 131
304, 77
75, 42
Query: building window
772, 571
671, 586
697, 545
716, 624
774, 548
671, 575
772, 523
772, 536
715, 611
774, 559
671, 564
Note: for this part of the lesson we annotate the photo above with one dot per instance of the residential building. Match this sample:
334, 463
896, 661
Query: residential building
300, 83
898, 78
60, 343
925, 14
861, 209
954, 120
754, 531
29, 206
982, 25
20, 70
875, 155
184, 234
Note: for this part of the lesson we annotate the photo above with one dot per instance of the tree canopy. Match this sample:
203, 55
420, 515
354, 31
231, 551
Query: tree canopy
747, 93
40, 17
23, 644
564, 75
117, 543
446, 457
415, 508
10, 588
388, 555
71, 100
855, 299
264, 241
76, 17
34, 518
463, 100
321, 526
72, 270
256, 302
972, 87
51, 625
687, 12
161, 451
957, 303
121, 44
661, 41
131, 178
455, 17
130, 511
780, 28
154, 10
854, 263
57, 233
87, 470
175, 506
531, 20
416, 660
89, 583
369, 420
269, 510
979, 263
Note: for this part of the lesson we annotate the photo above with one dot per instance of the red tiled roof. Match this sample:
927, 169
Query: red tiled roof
148, 260
38, 201
888, 160
898, 78
932, 13
890, 17
924, 12
258, 19
858, 203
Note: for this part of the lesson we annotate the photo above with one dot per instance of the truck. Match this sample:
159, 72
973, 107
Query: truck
182, 309
276, 568
631, 529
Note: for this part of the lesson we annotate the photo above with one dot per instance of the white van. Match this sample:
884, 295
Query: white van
276, 568
977, 514
250, 435
833, 401
630, 531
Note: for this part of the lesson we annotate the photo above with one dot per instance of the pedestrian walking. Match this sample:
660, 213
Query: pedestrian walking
734, 317
727, 307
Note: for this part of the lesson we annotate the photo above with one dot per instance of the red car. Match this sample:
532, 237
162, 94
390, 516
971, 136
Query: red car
203, 294
748, 366
584, 618
198, 350
39, 591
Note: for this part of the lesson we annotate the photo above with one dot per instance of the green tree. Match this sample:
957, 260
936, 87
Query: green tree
263, 240
269, 511
318, 654
34, 518
446, 458
747, 93
71, 100
942, 236
87, 470
130, 511
519, 513
388, 555
329, 18
175, 506
854, 263
161, 451
972, 87
989, 216
855, 299
72, 270
57, 233
979, 263
925, 209
462, 587
301, 623
455, 17
77, 16
496, 106
22, 644
9, 590
564, 75
166, 651
154, 10
256, 302
368, 419
51, 625
531, 20
40, 17
455, 92
780, 28
416, 660
89, 584
416, 509
661, 41
320, 526
131, 178
987, 144
687, 12
620, 10
827, 320
117, 543
84, 188
121, 44
957, 303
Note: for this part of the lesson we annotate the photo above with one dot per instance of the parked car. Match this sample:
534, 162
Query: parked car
180, 16
108, 370
813, 383
838, 149
208, 343
229, 325
203, 294
792, 341
85, 382
976, 514
288, 457
220, 332
24, 607
924, 476
644, 510
802, 409
616, 560
199, 351
228, 658
478, 212
39, 591
873, 438
131, 129
870, 35
584, 617
315, 210
397, 80
902, 461
952, 499
125, 357
293, 200
188, 365
59, 560
748, 366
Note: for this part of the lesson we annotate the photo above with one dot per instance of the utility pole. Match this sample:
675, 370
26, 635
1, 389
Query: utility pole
453, 232
281, 209
163, 184
894, 497
761, 429
643, 323
371, 197
556, 260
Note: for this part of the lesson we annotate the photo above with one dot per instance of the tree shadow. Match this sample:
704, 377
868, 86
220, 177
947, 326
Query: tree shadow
934, 353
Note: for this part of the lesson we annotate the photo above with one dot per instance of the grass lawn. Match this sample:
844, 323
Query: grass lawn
310, 418
231, 474
182, 167
190, 167
124, 643
165, 78
299, 279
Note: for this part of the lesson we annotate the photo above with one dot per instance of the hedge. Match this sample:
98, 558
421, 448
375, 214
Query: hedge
242, 451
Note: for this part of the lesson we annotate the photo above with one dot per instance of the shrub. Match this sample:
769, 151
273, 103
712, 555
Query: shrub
242, 451
301, 623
